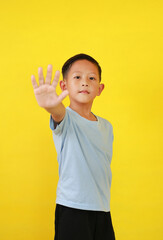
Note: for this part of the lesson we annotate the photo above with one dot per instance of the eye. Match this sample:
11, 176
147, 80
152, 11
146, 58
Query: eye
92, 78
77, 77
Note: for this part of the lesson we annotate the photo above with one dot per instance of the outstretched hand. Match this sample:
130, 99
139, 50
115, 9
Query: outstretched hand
45, 92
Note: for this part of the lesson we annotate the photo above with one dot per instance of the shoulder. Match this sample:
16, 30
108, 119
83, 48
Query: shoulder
58, 128
106, 127
105, 122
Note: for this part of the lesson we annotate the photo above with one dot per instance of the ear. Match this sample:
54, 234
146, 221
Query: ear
63, 85
101, 88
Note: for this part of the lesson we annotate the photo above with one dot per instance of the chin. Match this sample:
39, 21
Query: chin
85, 101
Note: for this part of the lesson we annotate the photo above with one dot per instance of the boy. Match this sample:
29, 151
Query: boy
83, 143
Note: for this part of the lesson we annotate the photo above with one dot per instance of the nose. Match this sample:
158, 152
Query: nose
84, 82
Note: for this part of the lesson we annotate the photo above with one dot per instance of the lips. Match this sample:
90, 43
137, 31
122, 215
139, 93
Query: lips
84, 91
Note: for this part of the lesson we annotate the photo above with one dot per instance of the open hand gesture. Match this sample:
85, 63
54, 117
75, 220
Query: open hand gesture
45, 92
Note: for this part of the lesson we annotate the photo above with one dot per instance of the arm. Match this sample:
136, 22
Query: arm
46, 95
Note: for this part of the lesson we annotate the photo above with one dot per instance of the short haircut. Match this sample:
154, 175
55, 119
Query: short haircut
67, 65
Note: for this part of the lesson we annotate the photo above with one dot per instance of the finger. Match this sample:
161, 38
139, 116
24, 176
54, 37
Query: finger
56, 79
63, 95
34, 83
49, 74
40, 75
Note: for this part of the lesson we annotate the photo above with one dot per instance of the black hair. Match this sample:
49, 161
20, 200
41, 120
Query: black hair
67, 65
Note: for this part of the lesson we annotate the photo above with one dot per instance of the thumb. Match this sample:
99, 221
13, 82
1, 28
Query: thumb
63, 95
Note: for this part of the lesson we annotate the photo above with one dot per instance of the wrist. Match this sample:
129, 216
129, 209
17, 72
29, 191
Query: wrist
57, 112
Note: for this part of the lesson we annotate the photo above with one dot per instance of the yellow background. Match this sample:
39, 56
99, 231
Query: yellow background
126, 38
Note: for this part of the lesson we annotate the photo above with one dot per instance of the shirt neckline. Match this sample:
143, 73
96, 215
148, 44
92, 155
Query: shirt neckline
96, 122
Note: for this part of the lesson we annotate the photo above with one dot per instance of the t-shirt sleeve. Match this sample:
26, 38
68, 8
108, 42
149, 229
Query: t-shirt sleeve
112, 133
58, 128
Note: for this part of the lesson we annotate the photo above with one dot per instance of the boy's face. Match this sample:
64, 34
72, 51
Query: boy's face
82, 82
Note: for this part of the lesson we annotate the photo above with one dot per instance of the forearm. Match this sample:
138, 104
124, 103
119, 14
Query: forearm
57, 112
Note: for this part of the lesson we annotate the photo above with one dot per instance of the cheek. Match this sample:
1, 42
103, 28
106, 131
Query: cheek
96, 89
71, 86
74, 84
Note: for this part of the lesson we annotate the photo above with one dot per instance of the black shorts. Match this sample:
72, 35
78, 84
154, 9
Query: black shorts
77, 224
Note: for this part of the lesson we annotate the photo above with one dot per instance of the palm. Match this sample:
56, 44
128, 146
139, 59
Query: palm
46, 96
45, 92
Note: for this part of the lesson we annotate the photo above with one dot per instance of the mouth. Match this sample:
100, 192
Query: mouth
84, 92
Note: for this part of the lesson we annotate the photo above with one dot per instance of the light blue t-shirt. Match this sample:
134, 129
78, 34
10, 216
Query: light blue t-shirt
84, 153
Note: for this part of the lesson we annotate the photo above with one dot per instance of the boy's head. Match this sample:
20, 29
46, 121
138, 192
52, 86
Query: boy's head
68, 64
81, 77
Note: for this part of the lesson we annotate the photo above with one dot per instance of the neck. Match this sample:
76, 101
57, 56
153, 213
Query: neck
83, 110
